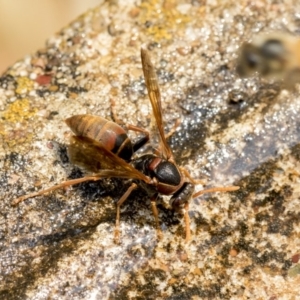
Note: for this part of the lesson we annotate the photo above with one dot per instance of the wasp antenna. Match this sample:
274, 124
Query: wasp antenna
223, 189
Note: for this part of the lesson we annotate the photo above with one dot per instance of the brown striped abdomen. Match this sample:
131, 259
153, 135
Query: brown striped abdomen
112, 136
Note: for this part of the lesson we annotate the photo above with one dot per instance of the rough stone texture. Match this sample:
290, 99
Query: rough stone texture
245, 244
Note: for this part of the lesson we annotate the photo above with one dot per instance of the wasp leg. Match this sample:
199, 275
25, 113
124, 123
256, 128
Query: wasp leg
144, 139
173, 129
187, 223
119, 203
141, 141
114, 115
55, 187
191, 179
155, 213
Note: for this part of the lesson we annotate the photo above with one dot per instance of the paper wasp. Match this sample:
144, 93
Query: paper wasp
103, 147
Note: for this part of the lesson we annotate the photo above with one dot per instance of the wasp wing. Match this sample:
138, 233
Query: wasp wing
155, 98
94, 157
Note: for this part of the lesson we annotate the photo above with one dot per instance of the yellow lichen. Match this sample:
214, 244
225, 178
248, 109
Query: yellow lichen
14, 138
11, 135
163, 18
18, 111
24, 85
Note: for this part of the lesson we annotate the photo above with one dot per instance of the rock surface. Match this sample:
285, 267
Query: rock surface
245, 244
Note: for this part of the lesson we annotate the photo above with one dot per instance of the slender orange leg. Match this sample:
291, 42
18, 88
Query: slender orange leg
119, 203
187, 223
113, 112
128, 126
155, 213
173, 129
55, 187
142, 140
191, 179
138, 129
186, 207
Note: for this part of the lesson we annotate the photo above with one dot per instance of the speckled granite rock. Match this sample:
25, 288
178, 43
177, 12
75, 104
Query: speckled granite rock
245, 244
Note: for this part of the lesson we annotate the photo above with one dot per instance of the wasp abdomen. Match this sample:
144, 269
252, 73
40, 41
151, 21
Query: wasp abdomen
108, 133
